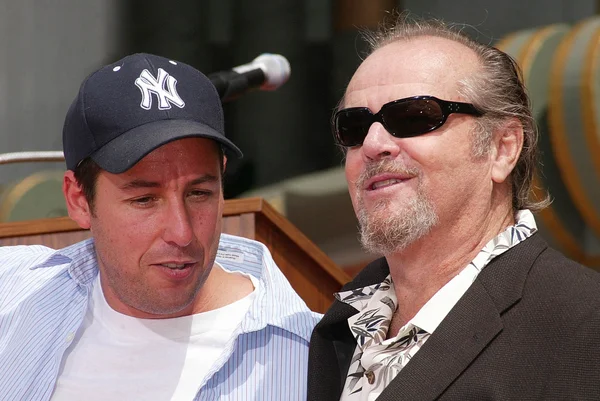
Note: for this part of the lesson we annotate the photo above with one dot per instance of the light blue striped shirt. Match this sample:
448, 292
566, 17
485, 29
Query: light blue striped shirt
44, 297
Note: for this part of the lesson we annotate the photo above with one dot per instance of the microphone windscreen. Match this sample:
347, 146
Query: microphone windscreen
275, 67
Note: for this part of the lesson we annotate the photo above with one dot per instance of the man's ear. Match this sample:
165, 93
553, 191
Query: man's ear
224, 162
507, 146
77, 205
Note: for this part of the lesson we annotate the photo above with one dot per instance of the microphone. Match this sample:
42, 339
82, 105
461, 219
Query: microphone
266, 72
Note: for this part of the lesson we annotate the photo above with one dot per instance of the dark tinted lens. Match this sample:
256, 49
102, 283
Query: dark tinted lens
412, 117
352, 125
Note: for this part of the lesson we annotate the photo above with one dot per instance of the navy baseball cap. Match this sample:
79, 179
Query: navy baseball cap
127, 109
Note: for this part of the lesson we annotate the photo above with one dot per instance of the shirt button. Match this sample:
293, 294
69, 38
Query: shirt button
70, 337
370, 376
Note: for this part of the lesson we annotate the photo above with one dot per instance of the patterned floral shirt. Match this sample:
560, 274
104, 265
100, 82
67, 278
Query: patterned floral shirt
378, 360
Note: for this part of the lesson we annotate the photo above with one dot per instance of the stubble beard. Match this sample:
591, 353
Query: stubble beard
149, 299
138, 295
384, 229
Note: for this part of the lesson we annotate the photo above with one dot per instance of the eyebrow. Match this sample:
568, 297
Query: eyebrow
139, 183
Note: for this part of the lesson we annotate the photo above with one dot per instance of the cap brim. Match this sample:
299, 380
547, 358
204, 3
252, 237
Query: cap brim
120, 154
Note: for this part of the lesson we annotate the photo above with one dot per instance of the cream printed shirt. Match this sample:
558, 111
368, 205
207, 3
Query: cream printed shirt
377, 360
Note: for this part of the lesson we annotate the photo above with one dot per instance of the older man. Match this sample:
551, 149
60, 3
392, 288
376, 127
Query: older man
158, 305
468, 302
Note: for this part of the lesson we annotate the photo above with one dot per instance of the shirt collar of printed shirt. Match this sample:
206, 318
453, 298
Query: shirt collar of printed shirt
376, 303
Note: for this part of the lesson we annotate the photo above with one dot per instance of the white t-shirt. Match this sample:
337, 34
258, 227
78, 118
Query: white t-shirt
119, 357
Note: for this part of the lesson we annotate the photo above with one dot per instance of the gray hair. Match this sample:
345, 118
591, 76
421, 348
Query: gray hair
498, 91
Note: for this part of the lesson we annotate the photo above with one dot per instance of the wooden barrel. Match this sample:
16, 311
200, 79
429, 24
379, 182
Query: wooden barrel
37, 196
562, 224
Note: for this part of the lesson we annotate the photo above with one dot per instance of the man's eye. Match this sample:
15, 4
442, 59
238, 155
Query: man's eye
145, 200
197, 193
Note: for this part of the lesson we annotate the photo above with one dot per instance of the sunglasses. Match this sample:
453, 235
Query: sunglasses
402, 118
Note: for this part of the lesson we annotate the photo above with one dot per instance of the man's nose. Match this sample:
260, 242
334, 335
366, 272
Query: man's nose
379, 143
178, 226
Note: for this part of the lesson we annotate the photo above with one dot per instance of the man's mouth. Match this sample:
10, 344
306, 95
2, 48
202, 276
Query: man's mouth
385, 183
176, 266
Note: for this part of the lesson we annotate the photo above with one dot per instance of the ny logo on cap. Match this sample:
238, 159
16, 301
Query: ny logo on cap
166, 96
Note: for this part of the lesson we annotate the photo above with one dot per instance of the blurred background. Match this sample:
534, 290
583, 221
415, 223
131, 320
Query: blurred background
48, 47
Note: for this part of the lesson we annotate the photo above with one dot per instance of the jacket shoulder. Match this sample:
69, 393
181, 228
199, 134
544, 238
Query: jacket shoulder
552, 271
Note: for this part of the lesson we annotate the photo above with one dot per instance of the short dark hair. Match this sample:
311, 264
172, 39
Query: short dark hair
87, 172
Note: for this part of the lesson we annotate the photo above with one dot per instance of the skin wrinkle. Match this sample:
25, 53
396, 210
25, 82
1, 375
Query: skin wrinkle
468, 194
383, 233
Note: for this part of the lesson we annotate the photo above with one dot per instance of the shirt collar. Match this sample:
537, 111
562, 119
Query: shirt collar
80, 258
276, 303
437, 308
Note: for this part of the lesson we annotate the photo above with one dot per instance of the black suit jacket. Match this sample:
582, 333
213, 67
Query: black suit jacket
527, 329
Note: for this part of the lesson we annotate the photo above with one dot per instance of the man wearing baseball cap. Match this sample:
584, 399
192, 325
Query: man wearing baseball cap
157, 305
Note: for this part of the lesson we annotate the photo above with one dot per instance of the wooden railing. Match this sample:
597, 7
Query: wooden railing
312, 273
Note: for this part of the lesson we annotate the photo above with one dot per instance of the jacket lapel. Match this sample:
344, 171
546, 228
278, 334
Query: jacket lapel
331, 348
470, 326
332, 344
